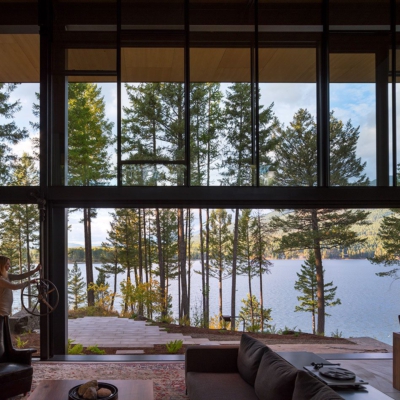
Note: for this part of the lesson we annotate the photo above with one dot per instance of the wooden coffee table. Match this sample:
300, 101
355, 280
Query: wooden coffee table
127, 389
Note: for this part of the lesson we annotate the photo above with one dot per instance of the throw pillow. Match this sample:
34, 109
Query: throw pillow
275, 378
249, 357
309, 388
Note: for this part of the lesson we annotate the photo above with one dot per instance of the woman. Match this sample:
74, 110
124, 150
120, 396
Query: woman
6, 287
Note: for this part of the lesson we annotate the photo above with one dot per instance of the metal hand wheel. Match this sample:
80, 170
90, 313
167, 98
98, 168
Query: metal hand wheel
40, 298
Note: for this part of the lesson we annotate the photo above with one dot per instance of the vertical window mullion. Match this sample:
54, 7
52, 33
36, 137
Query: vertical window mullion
187, 93
323, 129
394, 81
119, 100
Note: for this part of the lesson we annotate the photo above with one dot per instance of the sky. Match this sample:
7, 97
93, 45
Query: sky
355, 102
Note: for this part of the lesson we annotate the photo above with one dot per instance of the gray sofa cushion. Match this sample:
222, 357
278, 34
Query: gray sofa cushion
275, 378
309, 388
250, 354
203, 385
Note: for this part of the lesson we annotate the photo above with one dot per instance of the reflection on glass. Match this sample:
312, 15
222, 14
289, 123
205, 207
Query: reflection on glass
91, 133
153, 175
353, 119
288, 131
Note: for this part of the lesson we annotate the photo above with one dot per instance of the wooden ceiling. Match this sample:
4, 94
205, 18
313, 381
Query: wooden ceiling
19, 62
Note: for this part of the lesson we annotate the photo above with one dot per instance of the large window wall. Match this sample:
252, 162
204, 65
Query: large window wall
244, 97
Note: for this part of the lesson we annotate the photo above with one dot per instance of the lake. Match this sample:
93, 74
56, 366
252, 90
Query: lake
370, 304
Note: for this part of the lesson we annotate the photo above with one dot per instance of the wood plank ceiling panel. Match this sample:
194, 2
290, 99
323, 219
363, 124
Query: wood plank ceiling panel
19, 58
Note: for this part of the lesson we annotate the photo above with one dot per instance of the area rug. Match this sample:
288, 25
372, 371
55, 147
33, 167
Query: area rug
168, 378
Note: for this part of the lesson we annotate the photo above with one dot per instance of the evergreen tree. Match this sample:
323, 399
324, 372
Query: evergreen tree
389, 236
220, 248
89, 138
76, 286
307, 284
253, 315
261, 241
238, 162
318, 229
10, 134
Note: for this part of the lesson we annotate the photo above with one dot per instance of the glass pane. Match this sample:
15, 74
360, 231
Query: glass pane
92, 59
353, 119
220, 113
91, 132
153, 175
153, 108
371, 13
288, 130
19, 110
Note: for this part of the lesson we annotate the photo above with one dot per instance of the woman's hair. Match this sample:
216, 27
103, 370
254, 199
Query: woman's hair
3, 262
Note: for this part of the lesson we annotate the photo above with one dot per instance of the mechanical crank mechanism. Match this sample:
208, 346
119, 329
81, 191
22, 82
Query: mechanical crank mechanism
40, 298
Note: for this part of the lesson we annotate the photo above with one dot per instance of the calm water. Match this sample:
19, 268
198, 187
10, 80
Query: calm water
370, 305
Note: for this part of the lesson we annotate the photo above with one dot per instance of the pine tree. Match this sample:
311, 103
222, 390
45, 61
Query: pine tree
10, 134
253, 314
76, 286
220, 248
318, 229
261, 242
389, 236
89, 138
238, 164
307, 284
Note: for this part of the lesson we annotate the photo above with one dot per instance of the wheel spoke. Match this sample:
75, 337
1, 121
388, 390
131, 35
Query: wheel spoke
51, 290
47, 304
29, 295
34, 308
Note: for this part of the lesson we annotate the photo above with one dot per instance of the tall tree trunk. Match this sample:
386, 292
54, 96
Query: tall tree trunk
203, 277
188, 239
88, 253
320, 274
146, 266
182, 262
140, 258
28, 256
234, 263
261, 301
260, 271
207, 291
161, 265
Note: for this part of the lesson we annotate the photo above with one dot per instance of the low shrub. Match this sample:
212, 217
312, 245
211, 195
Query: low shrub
92, 311
95, 350
174, 347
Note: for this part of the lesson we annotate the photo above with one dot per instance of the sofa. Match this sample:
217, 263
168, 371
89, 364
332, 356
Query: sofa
15, 364
251, 371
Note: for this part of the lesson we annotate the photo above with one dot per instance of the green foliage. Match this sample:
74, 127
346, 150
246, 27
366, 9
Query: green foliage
253, 314
20, 343
287, 331
389, 253
74, 349
76, 287
95, 350
307, 284
10, 134
174, 346
92, 311
317, 229
337, 334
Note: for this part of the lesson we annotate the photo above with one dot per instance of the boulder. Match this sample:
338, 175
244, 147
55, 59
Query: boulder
22, 322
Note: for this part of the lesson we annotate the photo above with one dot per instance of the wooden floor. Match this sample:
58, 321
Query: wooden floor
378, 373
